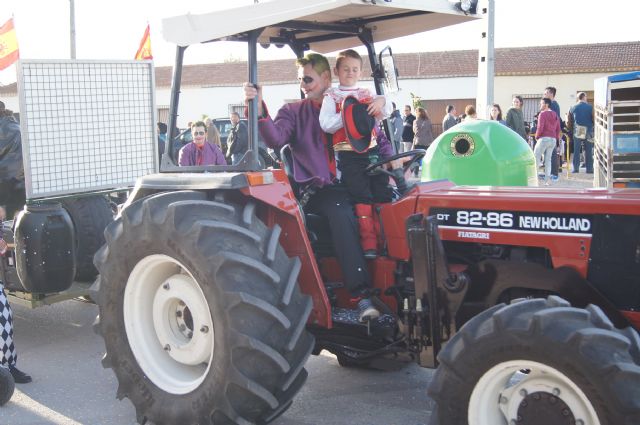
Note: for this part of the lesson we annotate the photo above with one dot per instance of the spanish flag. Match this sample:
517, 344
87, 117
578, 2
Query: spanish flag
144, 51
9, 52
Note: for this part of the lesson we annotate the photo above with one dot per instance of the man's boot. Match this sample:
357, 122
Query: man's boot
368, 239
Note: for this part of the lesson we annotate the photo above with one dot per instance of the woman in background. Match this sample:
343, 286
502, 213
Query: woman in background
423, 135
515, 119
496, 114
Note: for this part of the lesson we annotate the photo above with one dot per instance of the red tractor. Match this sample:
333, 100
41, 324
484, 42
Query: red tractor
215, 286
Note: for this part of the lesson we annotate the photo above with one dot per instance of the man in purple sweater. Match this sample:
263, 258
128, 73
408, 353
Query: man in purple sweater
198, 152
546, 134
313, 167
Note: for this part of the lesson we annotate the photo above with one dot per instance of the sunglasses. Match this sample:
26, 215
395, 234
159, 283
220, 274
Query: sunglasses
198, 133
307, 80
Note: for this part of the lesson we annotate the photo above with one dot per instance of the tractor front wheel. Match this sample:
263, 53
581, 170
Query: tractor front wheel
539, 362
200, 312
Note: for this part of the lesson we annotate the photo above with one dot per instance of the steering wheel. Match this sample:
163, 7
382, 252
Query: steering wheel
398, 174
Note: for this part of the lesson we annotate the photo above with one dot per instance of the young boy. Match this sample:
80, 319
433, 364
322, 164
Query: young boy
362, 189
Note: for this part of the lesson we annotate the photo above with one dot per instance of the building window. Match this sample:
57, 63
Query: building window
163, 114
237, 107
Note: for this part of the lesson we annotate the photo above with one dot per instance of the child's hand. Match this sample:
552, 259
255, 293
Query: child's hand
375, 108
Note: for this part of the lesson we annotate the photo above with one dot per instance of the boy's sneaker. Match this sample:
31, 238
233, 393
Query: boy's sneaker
554, 178
366, 310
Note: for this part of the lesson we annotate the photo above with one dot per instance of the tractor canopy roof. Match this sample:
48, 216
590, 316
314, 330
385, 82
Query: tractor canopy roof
319, 25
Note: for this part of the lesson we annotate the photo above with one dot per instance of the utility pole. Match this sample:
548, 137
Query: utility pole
486, 58
72, 25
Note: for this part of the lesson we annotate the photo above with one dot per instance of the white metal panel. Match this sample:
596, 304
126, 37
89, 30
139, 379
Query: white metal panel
192, 29
86, 125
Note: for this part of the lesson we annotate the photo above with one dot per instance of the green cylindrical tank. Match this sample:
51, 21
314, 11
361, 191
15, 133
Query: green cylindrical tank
478, 152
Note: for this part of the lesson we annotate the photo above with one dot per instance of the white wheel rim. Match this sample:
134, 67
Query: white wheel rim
497, 395
168, 324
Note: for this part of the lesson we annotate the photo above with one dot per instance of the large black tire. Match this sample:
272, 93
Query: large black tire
90, 216
7, 385
249, 292
538, 362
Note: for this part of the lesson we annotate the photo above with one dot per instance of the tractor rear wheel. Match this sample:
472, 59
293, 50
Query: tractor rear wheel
538, 361
201, 313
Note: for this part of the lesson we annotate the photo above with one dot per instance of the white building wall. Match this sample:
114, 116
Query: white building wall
12, 103
214, 101
567, 85
436, 88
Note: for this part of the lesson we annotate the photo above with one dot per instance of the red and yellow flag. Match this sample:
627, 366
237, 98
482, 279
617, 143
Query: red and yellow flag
9, 52
144, 51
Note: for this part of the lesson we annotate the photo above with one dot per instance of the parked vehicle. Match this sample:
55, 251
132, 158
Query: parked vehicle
266, 156
215, 288
616, 154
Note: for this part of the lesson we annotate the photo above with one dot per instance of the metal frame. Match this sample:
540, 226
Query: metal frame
25, 122
34, 300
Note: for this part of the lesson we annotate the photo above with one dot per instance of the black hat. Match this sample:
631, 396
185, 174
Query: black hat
357, 122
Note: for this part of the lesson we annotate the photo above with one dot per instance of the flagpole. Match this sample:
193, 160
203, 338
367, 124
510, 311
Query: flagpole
72, 25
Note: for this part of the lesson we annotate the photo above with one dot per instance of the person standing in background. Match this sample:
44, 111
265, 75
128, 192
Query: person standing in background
515, 119
469, 113
396, 129
423, 136
582, 114
213, 135
450, 119
407, 129
198, 152
238, 140
495, 114
12, 187
547, 131
556, 158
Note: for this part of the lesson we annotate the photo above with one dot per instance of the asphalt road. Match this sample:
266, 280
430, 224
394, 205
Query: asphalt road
58, 347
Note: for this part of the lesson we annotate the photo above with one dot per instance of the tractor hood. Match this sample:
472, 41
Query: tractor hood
320, 25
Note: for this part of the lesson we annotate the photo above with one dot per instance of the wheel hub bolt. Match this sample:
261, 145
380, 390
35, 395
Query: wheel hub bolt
523, 392
166, 286
179, 313
579, 422
513, 422
565, 412
556, 392
181, 303
183, 328
189, 334
167, 347
503, 399
204, 329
